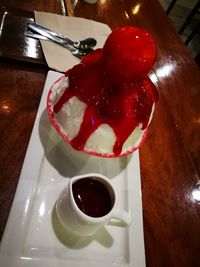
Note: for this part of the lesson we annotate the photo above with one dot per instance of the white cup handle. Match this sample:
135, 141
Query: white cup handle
122, 216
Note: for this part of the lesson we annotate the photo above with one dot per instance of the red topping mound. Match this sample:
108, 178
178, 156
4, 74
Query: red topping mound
112, 82
129, 52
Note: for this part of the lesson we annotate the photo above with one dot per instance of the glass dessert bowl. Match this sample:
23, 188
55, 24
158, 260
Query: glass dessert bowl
103, 105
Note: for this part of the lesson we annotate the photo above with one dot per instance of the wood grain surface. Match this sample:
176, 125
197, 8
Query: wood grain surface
14, 44
170, 157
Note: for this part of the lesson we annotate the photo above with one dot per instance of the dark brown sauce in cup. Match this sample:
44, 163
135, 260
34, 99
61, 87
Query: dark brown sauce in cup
92, 197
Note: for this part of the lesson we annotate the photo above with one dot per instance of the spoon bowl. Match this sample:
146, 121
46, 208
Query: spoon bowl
85, 44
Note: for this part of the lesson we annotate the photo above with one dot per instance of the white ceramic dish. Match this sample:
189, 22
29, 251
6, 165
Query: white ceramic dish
34, 237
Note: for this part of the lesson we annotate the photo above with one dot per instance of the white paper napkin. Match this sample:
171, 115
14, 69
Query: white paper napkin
59, 58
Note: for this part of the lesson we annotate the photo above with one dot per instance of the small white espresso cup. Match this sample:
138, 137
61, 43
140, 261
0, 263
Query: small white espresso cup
73, 205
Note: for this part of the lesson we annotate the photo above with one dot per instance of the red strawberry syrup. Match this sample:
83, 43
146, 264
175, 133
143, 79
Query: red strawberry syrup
123, 104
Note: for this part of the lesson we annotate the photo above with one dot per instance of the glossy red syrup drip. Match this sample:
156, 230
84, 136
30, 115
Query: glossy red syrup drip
121, 105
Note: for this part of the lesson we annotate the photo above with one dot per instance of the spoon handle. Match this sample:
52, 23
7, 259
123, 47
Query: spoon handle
75, 51
50, 34
47, 37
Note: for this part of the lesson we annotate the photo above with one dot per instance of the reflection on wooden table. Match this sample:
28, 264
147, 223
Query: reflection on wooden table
170, 157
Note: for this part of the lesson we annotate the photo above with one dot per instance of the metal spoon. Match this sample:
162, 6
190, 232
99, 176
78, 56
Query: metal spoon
79, 53
82, 44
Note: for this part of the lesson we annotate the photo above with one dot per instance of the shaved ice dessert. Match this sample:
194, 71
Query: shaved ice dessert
104, 104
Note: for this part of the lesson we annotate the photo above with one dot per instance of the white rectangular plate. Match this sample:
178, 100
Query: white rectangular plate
34, 237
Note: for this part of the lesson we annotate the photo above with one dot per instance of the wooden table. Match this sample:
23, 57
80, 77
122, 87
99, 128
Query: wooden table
170, 157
